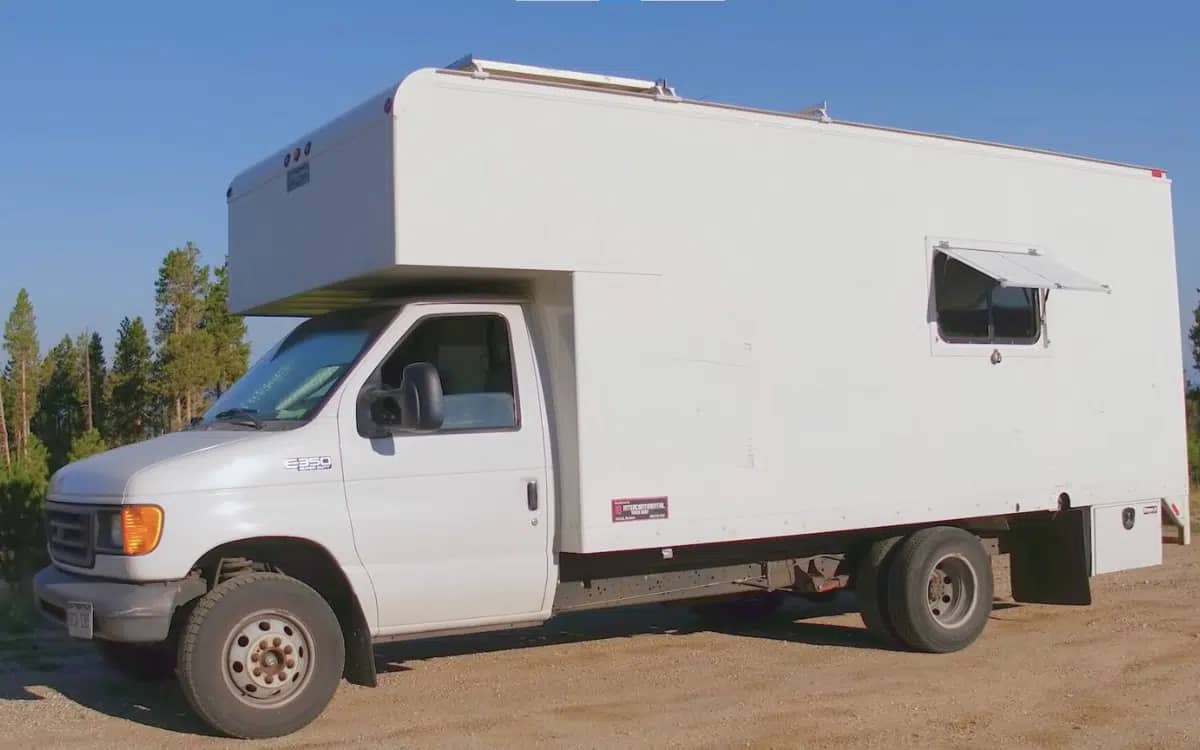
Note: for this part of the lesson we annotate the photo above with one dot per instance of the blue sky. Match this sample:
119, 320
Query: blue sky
122, 123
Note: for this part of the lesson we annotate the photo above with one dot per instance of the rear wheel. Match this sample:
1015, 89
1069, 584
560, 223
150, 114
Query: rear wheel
940, 589
260, 656
140, 661
871, 589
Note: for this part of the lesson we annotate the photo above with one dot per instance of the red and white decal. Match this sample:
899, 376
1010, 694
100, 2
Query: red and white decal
639, 509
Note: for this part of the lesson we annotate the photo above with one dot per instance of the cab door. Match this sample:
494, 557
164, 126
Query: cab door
453, 526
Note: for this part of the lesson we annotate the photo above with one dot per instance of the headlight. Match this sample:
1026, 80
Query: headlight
131, 530
108, 532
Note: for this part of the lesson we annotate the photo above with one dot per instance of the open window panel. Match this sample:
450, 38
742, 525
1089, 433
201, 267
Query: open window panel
992, 297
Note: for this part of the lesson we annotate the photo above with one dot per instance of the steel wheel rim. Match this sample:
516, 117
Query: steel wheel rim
268, 659
952, 591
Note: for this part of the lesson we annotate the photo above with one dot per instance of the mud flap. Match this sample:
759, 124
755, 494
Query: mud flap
360, 653
1049, 560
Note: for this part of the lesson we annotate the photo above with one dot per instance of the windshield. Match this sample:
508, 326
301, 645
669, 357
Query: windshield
295, 376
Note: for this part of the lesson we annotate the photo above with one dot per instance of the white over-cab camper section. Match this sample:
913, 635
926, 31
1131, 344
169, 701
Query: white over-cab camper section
761, 324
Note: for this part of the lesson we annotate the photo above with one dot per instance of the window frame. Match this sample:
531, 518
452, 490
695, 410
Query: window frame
991, 339
375, 379
939, 347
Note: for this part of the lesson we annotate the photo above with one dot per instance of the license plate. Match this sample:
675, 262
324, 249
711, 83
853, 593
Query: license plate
79, 619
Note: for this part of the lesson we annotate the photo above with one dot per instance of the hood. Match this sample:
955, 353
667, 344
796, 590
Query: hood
106, 476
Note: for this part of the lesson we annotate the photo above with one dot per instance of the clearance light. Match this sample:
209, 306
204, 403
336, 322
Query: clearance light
387, 105
307, 148
141, 528
1157, 173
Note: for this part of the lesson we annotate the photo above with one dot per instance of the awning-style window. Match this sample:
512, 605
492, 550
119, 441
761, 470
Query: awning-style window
1031, 269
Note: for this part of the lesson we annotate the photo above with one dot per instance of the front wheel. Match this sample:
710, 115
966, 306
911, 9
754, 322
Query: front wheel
260, 656
940, 589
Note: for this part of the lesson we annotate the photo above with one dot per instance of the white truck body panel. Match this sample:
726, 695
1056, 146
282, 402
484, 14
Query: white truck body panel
452, 507
733, 309
217, 487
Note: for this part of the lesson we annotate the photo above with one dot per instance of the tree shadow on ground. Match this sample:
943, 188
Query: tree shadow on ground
51, 662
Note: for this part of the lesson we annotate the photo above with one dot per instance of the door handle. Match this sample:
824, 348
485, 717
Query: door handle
531, 494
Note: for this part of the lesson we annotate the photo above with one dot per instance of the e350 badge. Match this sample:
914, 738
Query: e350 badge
308, 463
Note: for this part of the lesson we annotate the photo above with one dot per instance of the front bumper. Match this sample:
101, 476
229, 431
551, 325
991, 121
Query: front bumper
130, 612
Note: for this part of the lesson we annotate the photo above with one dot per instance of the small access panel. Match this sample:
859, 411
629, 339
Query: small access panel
1126, 536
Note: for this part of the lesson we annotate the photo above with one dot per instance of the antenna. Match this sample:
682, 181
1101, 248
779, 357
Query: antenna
817, 112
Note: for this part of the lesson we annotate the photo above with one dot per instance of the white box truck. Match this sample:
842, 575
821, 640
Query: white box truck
575, 341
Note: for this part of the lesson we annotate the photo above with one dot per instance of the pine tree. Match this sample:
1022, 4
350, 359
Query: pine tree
227, 333
86, 444
131, 393
4, 428
92, 373
1194, 335
22, 487
185, 364
59, 418
21, 343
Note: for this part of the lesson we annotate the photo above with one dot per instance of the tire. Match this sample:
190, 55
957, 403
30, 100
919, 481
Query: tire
260, 656
871, 589
940, 589
750, 608
145, 662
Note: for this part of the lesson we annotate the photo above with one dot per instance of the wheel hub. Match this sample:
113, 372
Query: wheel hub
269, 656
951, 591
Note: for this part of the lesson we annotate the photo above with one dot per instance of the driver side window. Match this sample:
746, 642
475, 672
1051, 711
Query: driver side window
473, 357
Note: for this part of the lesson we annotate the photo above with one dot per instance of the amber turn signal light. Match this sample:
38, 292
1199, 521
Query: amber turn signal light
141, 527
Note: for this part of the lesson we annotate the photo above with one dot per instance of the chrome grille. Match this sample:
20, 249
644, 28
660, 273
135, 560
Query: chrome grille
70, 536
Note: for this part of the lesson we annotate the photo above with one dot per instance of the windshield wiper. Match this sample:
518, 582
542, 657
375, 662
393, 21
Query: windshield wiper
240, 416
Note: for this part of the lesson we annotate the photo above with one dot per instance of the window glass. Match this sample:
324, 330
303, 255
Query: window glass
293, 378
473, 360
1014, 313
972, 307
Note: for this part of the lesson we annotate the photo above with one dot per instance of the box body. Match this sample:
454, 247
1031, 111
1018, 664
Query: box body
733, 307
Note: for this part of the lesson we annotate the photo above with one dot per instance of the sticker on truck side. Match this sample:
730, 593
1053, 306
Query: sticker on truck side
639, 509
308, 463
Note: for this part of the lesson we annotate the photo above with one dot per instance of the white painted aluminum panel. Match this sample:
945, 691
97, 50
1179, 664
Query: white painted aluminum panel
713, 364
1029, 268
1125, 536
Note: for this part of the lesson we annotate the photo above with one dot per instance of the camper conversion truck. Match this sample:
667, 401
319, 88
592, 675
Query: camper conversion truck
575, 341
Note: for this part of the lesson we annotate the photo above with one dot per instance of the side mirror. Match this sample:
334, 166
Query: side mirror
421, 389
416, 406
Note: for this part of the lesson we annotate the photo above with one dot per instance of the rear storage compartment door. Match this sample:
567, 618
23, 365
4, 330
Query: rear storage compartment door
1126, 536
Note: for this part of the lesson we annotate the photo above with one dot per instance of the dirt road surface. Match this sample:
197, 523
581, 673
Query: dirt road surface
1123, 673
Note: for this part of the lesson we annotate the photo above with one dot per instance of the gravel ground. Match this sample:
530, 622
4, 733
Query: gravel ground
1123, 673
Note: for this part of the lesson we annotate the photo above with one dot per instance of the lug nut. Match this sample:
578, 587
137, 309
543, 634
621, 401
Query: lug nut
290, 664
257, 672
287, 649
276, 642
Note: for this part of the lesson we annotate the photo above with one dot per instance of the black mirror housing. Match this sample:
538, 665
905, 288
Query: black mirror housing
415, 406
421, 398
